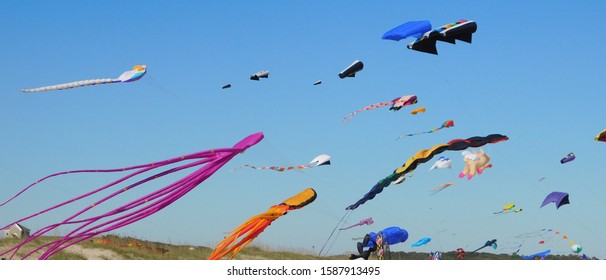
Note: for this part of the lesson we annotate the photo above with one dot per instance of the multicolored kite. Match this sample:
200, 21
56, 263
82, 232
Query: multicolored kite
397, 104
129, 76
449, 123
81, 228
249, 230
423, 156
317, 161
568, 158
508, 208
475, 162
442, 162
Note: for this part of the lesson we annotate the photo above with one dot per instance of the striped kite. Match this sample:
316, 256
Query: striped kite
129, 76
423, 156
249, 230
396, 105
449, 123
317, 161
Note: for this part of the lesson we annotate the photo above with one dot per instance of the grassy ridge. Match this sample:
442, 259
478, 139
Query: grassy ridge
128, 248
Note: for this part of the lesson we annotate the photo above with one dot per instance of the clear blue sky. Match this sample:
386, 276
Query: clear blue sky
533, 73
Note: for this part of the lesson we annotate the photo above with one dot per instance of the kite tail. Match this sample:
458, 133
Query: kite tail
249, 230
73, 85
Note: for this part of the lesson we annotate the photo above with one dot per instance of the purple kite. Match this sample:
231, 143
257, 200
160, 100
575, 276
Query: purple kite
368, 221
558, 198
88, 227
568, 158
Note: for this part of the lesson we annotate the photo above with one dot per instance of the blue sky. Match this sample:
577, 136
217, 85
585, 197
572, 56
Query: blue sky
532, 73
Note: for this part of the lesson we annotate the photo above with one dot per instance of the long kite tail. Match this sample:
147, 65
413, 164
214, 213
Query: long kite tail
82, 83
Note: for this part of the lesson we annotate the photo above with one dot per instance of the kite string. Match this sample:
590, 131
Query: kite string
342, 221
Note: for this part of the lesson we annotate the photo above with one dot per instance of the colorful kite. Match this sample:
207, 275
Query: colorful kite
82, 228
250, 229
601, 136
475, 162
558, 198
442, 162
508, 208
423, 156
397, 104
568, 158
129, 76
352, 69
460, 30
368, 221
418, 110
422, 241
449, 123
317, 161
441, 188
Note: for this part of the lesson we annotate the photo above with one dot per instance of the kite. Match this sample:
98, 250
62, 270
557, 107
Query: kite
260, 74
129, 76
83, 228
537, 256
409, 29
367, 221
418, 110
508, 208
250, 229
422, 241
460, 30
317, 82
568, 158
376, 241
442, 162
475, 161
396, 105
449, 123
423, 156
441, 188
489, 243
558, 198
226, 86
317, 161
460, 253
352, 69
601, 136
